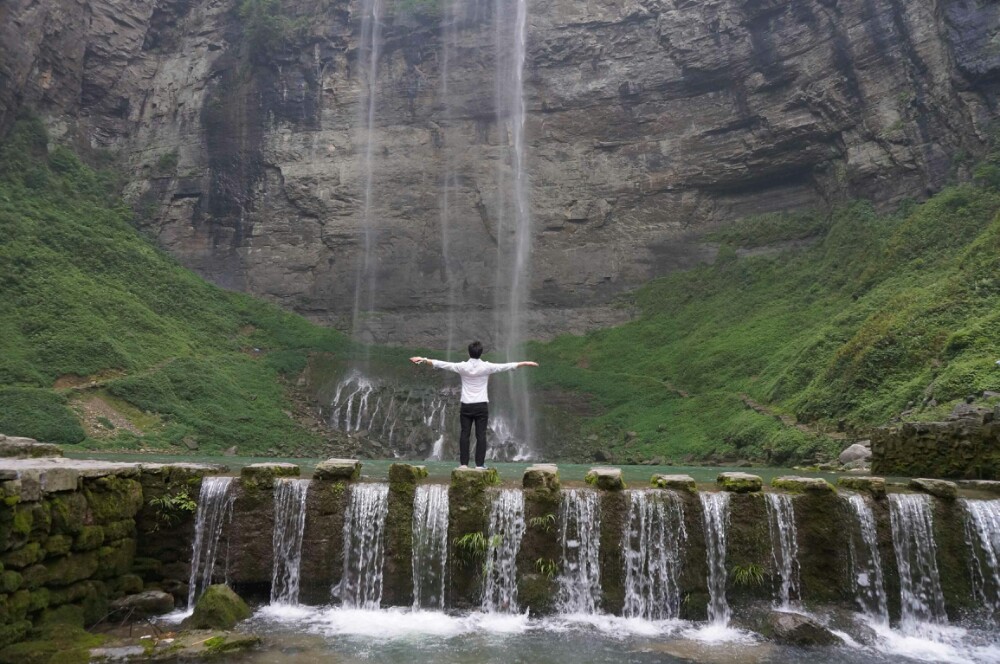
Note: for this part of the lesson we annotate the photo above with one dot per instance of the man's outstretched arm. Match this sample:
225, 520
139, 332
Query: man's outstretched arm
510, 366
437, 364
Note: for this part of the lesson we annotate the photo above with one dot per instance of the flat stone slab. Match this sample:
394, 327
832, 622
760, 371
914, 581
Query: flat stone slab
338, 469
940, 488
739, 482
794, 484
873, 485
674, 482
541, 476
605, 479
26, 448
991, 486
406, 473
271, 469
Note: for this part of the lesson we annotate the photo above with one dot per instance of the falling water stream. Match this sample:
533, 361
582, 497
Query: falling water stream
922, 600
866, 563
289, 527
715, 513
653, 546
364, 546
784, 545
504, 541
580, 535
430, 546
982, 535
215, 511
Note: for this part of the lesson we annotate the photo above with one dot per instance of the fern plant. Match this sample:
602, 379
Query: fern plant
748, 575
169, 509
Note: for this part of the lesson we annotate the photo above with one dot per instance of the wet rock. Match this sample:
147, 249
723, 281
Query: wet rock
262, 475
798, 630
474, 478
940, 488
674, 482
603, 456
802, 484
26, 448
606, 479
338, 469
218, 608
739, 482
989, 486
406, 474
855, 452
144, 605
872, 485
231, 451
541, 476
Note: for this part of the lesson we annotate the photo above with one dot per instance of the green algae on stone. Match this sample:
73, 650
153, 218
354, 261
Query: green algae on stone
73, 567
541, 476
53, 644
674, 482
218, 608
89, 538
793, 484
398, 569
29, 554
10, 581
739, 482
605, 479
875, 486
58, 545
262, 475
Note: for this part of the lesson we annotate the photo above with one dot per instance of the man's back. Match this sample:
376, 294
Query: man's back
475, 375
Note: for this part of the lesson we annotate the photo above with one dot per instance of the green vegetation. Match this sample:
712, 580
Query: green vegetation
82, 294
546, 567
171, 508
883, 313
545, 523
266, 28
748, 575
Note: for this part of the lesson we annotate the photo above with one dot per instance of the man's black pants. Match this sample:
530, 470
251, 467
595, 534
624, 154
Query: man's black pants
469, 413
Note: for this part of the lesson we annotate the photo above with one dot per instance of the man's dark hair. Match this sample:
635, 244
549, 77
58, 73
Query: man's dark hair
476, 350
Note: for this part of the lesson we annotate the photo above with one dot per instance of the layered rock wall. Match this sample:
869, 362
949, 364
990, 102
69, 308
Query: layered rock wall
648, 122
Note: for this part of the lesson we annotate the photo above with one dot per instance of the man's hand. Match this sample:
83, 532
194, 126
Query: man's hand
527, 364
418, 360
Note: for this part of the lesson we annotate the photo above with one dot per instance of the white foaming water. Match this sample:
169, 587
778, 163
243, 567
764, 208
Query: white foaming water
866, 563
364, 546
719, 633
653, 546
982, 535
505, 533
350, 403
580, 534
215, 511
784, 545
921, 598
289, 528
430, 546
393, 623
932, 642
715, 513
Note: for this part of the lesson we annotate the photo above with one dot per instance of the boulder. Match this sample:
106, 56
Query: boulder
541, 476
873, 485
406, 474
603, 456
794, 484
795, 629
674, 482
338, 469
218, 608
855, 452
144, 605
739, 482
606, 479
262, 475
940, 488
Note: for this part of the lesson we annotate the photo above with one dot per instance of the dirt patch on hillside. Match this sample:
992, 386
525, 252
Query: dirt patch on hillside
100, 419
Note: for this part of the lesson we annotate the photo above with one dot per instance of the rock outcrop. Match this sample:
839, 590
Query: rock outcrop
649, 121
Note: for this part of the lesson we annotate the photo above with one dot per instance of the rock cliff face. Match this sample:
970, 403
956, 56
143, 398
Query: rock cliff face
648, 122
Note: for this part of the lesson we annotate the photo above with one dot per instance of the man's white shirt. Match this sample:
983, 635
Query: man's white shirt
475, 376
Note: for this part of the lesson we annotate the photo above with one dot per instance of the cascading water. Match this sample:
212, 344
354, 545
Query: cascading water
430, 546
580, 534
653, 545
351, 403
982, 535
916, 557
504, 542
784, 545
866, 563
364, 546
215, 511
289, 527
715, 514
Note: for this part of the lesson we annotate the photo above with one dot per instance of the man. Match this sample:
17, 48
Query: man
475, 403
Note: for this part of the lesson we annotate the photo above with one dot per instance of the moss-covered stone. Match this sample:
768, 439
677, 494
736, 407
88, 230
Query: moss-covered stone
474, 479
333, 470
605, 479
875, 486
793, 484
129, 584
69, 512
38, 600
14, 632
953, 558
55, 644
822, 523
146, 567
29, 554
543, 476
940, 488
119, 530
89, 538
218, 608
614, 519
58, 545
34, 576
541, 548
115, 560
112, 498
262, 475
674, 482
72, 568
401, 474
398, 567
739, 482
9, 581
469, 506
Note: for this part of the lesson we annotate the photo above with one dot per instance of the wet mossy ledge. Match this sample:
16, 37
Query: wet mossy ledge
86, 541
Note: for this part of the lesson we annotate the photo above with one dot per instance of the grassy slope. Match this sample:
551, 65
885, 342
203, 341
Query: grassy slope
882, 311
81, 293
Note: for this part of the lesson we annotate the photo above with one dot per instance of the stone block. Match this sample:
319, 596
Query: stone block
130, 584
338, 469
873, 485
119, 530
543, 476
29, 554
739, 482
796, 629
988, 486
58, 545
10, 581
144, 605
605, 479
27, 448
404, 473
72, 568
940, 488
60, 479
474, 478
89, 538
794, 484
674, 482
31, 485
34, 576
262, 475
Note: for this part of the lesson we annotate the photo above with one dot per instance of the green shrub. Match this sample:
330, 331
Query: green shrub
38, 413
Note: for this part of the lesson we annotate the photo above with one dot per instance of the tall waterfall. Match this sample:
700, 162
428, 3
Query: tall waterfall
866, 562
364, 546
982, 534
430, 545
580, 534
289, 527
715, 513
784, 545
653, 545
505, 532
215, 511
514, 227
916, 557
